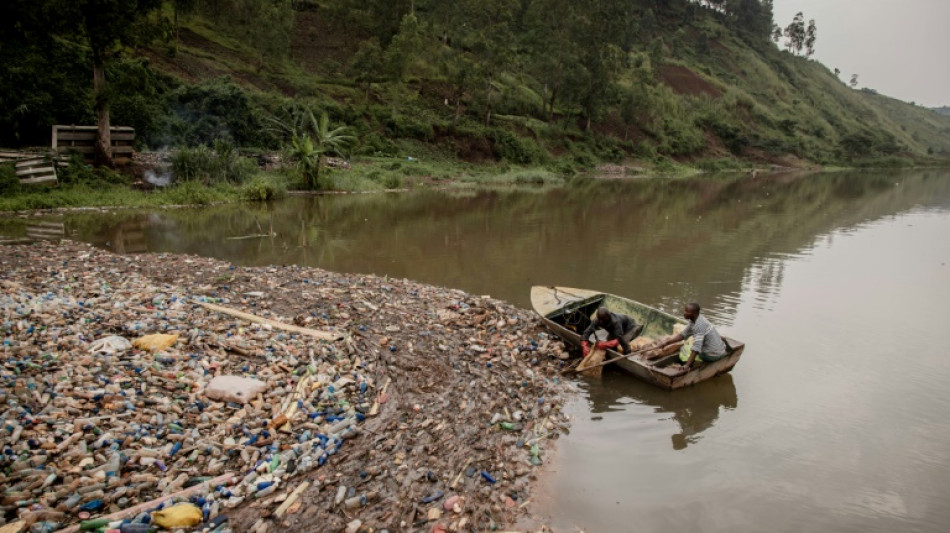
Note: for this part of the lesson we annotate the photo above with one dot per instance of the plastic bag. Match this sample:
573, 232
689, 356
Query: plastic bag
177, 516
155, 343
110, 345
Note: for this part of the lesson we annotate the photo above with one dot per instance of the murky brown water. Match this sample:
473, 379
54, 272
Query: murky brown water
834, 420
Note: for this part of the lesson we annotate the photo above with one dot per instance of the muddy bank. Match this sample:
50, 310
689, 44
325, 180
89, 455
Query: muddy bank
432, 410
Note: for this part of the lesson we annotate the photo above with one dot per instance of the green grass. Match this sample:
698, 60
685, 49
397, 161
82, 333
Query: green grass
80, 195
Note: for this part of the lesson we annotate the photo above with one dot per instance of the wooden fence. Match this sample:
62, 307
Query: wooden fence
82, 139
33, 167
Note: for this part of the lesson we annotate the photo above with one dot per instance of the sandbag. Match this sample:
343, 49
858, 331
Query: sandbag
595, 357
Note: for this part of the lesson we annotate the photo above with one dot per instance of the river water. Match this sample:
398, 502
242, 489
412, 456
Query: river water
835, 419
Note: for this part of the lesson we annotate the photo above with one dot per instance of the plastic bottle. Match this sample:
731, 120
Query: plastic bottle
134, 528
93, 524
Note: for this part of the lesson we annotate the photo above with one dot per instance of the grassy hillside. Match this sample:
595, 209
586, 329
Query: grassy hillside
555, 84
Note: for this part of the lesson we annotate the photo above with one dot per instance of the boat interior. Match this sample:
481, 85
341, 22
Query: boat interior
576, 315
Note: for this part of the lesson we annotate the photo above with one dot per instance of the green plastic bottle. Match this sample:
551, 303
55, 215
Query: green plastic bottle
95, 523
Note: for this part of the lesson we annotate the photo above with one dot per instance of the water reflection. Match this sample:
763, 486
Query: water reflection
646, 235
695, 409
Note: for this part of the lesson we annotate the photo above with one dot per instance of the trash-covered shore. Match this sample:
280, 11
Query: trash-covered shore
418, 409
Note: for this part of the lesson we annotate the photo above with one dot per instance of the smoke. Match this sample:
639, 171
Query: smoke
162, 178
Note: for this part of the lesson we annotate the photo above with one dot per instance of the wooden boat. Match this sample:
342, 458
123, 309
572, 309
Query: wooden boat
567, 312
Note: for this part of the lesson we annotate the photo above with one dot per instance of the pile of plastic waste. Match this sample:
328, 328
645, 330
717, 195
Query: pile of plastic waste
177, 392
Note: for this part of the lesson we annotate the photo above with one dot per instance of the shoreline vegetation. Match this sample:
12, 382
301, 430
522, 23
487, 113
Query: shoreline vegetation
86, 188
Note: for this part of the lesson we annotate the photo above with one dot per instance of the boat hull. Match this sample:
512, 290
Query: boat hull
550, 303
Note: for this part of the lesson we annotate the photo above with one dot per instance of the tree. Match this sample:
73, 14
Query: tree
753, 18
593, 83
269, 28
404, 48
107, 26
776, 33
552, 44
811, 34
484, 29
795, 33
456, 65
854, 81
366, 64
182, 7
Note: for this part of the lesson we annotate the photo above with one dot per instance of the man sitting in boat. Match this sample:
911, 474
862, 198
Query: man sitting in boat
621, 329
707, 346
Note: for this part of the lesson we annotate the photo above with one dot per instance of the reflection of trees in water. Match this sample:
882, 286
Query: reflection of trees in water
695, 409
661, 241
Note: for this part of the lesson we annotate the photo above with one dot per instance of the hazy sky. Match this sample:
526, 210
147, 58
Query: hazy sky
900, 48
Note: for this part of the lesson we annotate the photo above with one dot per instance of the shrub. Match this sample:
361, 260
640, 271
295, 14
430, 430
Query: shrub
9, 183
217, 109
191, 193
515, 149
409, 127
263, 188
533, 177
392, 181
210, 166
78, 172
376, 144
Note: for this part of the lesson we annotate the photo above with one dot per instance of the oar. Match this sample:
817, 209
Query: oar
604, 363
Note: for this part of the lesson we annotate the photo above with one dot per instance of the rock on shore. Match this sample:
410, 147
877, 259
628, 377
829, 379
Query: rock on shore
432, 411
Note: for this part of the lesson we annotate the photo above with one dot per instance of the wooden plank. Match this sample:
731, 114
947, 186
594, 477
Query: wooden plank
11, 156
28, 172
40, 179
62, 128
83, 136
30, 159
92, 149
324, 335
22, 167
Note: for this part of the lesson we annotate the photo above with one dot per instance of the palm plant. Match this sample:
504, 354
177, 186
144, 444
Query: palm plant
312, 139
306, 157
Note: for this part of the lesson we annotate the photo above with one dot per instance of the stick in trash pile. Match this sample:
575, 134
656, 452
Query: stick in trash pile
136, 509
324, 335
291, 499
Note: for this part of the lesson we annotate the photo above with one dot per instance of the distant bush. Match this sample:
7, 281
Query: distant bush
533, 177
730, 134
392, 181
515, 149
563, 167
140, 98
377, 145
883, 162
263, 188
718, 165
221, 164
192, 193
9, 183
217, 109
409, 127
77, 172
